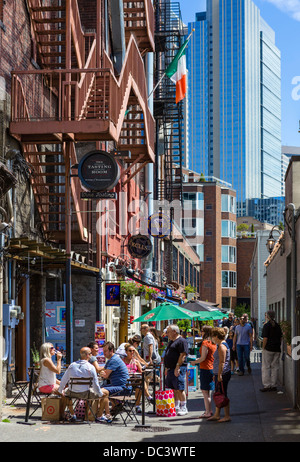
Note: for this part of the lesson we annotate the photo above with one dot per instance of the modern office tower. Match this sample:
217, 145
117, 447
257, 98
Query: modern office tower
234, 100
270, 113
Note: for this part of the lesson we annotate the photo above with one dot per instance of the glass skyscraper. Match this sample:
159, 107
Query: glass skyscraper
234, 100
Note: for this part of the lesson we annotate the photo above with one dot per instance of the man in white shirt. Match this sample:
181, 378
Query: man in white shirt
83, 369
148, 344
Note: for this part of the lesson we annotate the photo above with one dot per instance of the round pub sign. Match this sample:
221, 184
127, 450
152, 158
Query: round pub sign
139, 246
99, 171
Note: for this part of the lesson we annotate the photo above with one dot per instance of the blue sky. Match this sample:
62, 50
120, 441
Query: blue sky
284, 18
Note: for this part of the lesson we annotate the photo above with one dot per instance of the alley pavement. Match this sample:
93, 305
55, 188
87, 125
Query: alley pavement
256, 417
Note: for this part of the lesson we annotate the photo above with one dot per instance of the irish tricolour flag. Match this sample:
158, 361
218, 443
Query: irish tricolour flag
177, 72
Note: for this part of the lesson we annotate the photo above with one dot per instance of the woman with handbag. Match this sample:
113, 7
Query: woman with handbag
206, 361
222, 375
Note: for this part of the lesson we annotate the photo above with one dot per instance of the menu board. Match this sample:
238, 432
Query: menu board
100, 339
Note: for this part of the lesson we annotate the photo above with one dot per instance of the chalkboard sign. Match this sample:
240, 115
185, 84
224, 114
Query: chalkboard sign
99, 171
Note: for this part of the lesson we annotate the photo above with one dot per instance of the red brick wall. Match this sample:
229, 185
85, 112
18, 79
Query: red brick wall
87, 9
15, 41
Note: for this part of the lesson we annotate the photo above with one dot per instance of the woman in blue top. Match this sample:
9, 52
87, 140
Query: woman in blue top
221, 369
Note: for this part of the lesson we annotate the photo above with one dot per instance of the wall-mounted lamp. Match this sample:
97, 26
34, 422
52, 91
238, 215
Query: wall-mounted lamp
271, 241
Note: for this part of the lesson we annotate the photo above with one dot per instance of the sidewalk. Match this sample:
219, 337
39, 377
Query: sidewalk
256, 417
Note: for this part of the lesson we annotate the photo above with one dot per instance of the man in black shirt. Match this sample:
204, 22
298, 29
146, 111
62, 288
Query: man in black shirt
228, 322
271, 347
176, 366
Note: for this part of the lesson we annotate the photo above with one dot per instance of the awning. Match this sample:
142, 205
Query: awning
53, 258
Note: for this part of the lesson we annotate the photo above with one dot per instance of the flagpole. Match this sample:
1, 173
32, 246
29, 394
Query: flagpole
193, 30
156, 85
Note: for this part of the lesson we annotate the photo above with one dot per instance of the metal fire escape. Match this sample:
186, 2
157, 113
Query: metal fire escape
169, 35
76, 96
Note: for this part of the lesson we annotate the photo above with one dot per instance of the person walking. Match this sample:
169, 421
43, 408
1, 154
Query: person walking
271, 349
221, 370
228, 322
243, 344
176, 367
206, 362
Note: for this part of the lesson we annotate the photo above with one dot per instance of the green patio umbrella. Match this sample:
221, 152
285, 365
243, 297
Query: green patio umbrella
164, 312
209, 315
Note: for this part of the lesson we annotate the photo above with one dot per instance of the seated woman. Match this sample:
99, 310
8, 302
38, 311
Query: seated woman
135, 367
48, 382
134, 341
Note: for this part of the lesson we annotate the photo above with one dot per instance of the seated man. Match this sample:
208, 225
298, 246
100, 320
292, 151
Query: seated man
115, 370
83, 369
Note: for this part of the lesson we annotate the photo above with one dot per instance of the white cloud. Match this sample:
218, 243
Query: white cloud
291, 7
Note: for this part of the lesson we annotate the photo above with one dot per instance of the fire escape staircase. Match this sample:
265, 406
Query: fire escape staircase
70, 99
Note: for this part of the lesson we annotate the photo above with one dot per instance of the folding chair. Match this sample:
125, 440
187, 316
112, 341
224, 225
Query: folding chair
34, 397
19, 385
125, 403
82, 381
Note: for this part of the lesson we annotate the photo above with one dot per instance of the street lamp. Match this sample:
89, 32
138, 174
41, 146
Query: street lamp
271, 241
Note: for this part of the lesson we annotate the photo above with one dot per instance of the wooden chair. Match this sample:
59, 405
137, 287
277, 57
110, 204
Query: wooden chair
84, 382
20, 385
124, 403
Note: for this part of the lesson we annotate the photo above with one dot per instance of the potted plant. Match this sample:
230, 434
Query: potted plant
286, 328
151, 293
35, 356
130, 288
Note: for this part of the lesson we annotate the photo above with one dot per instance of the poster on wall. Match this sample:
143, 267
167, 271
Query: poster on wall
112, 294
100, 339
55, 325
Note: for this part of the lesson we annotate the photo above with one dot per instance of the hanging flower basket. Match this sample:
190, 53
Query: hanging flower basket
131, 288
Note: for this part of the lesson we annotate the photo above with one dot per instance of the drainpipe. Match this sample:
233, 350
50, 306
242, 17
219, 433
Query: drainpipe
116, 19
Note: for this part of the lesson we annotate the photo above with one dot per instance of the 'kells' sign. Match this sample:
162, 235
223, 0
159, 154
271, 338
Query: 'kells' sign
99, 171
139, 246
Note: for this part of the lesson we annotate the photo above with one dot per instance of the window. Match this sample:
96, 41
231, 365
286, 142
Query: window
186, 272
228, 279
228, 254
192, 226
193, 201
175, 264
228, 228
199, 248
228, 203
181, 269
191, 275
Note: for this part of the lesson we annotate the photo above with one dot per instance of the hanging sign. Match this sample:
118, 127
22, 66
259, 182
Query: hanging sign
159, 225
139, 246
99, 171
113, 292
